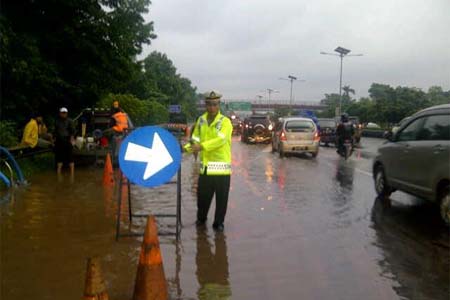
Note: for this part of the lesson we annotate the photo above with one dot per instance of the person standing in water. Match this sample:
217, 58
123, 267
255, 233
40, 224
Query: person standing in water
64, 140
212, 140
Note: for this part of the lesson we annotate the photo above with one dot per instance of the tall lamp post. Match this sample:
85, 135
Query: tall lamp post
291, 79
259, 97
269, 93
341, 53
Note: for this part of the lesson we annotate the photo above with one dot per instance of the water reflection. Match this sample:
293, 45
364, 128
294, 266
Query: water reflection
344, 175
268, 169
415, 247
212, 267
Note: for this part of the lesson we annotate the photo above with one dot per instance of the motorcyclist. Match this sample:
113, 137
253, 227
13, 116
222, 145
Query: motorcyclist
344, 131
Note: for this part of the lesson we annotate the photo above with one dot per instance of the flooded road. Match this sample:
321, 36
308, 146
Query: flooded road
296, 228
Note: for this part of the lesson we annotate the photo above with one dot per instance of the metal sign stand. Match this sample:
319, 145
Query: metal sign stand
123, 180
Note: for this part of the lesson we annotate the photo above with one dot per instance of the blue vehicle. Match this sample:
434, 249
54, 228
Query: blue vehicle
304, 113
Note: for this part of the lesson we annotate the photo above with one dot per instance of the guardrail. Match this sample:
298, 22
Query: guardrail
375, 133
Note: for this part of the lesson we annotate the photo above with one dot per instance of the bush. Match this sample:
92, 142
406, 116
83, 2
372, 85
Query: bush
158, 113
8, 134
141, 112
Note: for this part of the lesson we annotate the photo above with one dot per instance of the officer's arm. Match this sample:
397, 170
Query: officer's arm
223, 136
195, 138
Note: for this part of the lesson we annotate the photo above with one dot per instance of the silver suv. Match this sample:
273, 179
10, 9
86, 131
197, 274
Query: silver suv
416, 159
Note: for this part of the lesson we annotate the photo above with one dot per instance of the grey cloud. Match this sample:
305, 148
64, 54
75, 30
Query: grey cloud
242, 47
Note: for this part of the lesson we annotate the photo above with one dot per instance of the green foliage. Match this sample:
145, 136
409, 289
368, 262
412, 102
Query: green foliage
8, 134
68, 52
282, 112
160, 81
72, 53
158, 113
141, 112
386, 105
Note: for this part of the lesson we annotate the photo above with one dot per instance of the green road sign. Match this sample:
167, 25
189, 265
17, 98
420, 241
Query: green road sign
239, 106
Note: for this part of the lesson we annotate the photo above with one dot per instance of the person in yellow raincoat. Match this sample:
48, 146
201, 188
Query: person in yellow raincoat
211, 138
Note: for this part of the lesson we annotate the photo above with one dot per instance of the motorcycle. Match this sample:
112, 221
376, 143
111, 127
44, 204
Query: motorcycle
346, 149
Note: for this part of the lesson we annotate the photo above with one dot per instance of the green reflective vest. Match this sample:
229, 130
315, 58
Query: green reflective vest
215, 140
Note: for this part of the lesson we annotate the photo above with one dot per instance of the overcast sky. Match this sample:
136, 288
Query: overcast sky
241, 47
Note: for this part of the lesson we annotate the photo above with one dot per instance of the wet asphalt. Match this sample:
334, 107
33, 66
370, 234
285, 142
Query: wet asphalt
296, 228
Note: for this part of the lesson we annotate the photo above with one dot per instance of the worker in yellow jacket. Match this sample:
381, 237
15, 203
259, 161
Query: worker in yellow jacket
211, 138
30, 137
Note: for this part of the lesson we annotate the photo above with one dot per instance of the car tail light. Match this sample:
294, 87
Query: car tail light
316, 136
283, 136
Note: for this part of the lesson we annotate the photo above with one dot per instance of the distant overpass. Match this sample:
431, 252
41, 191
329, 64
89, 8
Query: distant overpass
265, 106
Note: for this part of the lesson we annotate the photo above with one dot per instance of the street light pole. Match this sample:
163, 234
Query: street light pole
269, 93
291, 79
342, 52
340, 85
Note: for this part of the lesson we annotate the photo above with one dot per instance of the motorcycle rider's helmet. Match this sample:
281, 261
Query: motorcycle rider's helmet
344, 118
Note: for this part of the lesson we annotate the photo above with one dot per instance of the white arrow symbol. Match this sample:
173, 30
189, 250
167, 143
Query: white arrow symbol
157, 157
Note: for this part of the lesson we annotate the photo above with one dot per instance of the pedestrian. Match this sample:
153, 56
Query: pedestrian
64, 141
31, 137
211, 138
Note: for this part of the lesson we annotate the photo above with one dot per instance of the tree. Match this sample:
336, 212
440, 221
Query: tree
436, 95
331, 101
347, 91
386, 104
160, 82
67, 52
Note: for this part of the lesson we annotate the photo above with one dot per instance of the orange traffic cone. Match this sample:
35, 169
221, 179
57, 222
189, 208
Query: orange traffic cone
108, 172
150, 279
94, 288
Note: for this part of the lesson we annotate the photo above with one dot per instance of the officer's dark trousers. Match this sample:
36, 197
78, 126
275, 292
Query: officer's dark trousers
207, 187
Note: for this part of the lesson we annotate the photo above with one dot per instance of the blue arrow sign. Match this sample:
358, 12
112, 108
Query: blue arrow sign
149, 156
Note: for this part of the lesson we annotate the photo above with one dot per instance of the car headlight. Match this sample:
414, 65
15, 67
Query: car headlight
270, 127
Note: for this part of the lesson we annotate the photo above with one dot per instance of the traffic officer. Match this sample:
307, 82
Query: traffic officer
212, 139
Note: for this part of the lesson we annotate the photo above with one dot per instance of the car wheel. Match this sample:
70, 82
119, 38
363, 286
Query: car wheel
445, 205
314, 154
381, 187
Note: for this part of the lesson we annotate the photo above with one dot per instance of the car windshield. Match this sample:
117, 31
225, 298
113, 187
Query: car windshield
354, 120
327, 123
299, 126
258, 118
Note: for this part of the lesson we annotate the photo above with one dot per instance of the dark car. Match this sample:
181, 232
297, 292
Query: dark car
257, 129
416, 159
237, 124
327, 131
